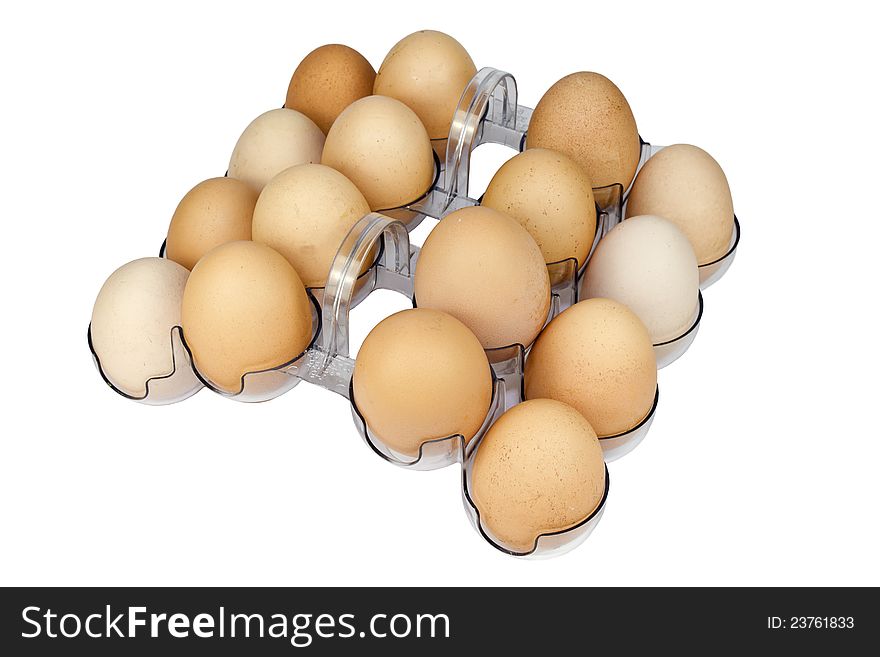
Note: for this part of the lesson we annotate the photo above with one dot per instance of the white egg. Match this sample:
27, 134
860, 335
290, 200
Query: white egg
648, 264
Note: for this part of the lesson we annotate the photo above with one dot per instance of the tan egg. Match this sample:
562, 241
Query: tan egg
214, 212
428, 71
551, 196
382, 147
482, 267
304, 213
585, 116
244, 310
685, 185
274, 141
421, 375
134, 314
596, 356
328, 80
539, 469
648, 264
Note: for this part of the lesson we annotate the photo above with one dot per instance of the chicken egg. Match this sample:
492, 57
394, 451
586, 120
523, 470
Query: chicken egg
428, 71
132, 320
539, 469
484, 268
551, 196
244, 310
421, 375
585, 116
382, 147
684, 184
328, 80
304, 213
214, 212
648, 264
596, 356
274, 141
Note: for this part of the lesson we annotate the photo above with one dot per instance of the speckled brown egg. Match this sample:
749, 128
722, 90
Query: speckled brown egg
684, 184
539, 469
428, 71
244, 310
304, 213
551, 196
483, 267
328, 80
421, 375
382, 147
596, 356
585, 116
214, 212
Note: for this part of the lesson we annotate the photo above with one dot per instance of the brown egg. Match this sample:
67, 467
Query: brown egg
551, 196
382, 147
598, 357
274, 141
428, 71
214, 212
421, 375
585, 116
244, 310
685, 185
328, 80
482, 267
304, 213
539, 469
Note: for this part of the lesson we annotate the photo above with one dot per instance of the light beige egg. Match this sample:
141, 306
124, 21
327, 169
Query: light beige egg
244, 310
134, 314
647, 264
428, 71
214, 212
421, 375
382, 147
304, 213
328, 80
483, 267
585, 116
684, 184
551, 196
273, 142
596, 356
538, 470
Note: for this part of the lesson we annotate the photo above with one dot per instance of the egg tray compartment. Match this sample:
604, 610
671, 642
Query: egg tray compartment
487, 113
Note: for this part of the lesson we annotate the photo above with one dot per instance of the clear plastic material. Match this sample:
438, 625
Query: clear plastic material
713, 271
669, 351
263, 385
621, 444
433, 453
550, 544
163, 387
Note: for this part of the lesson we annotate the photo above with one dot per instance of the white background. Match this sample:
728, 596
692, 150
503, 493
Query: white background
761, 467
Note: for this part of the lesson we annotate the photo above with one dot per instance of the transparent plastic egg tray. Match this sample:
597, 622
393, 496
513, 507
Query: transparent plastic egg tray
487, 113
